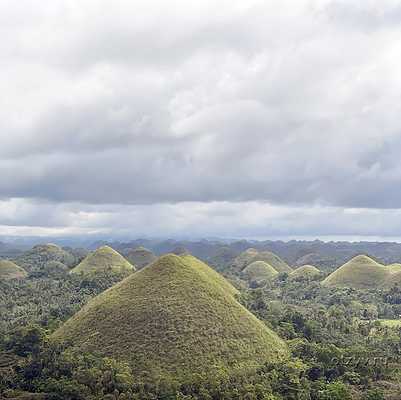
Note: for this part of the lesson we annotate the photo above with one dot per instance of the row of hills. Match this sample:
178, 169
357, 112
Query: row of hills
361, 272
327, 256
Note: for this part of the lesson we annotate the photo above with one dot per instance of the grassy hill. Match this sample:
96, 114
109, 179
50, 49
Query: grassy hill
361, 272
140, 257
394, 268
305, 272
245, 258
104, 259
250, 255
175, 318
259, 271
9, 270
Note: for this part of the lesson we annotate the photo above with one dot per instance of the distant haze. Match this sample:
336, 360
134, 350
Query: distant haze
256, 119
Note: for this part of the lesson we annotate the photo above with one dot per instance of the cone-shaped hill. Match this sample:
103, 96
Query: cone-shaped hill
104, 259
9, 270
259, 271
305, 272
361, 272
173, 319
251, 255
140, 257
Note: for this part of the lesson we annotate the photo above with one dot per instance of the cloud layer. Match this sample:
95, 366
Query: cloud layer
160, 112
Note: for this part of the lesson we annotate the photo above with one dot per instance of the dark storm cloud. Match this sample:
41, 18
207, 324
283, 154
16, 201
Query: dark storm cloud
287, 104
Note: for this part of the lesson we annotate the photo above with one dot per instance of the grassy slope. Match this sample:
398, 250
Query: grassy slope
9, 270
103, 259
260, 270
140, 257
174, 318
394, 268
360, 272
251, 255
305, 271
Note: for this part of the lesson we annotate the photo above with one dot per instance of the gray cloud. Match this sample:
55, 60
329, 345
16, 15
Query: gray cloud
152, 105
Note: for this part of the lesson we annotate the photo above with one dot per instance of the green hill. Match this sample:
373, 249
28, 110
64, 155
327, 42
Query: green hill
9, 270
259, 271
361, 272
174, 319
41, 256
249, 256
104, 259
140, 257
244, 259
305, 272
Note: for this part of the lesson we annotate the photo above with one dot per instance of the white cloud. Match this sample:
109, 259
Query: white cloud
151, 105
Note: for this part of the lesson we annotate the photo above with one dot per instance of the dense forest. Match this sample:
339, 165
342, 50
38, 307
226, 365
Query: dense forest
344, 342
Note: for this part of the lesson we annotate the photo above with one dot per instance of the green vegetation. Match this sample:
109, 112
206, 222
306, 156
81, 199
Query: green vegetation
251, 255
104, 259
244, 259
36, 259
259, 271
177, 330
9, 270
173, 320
391, 323
140, 257
305, 272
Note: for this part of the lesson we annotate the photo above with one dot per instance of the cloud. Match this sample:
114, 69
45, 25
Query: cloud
195, 220
152, 105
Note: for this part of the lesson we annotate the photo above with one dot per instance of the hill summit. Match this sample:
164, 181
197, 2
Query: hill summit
174, 319
42, 257
259, 271
104, 259
250, 255
9, 270
305, 272
361, 272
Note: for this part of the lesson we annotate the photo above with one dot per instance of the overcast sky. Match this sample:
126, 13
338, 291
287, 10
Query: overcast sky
200, 118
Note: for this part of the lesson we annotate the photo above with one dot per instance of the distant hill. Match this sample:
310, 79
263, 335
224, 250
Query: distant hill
259, 271
305, 272
323, 262
41, 259
222, 257
9, 270
175, 319
361, 272
140, 257
250, 255
245, 258
104, 259
327, 256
